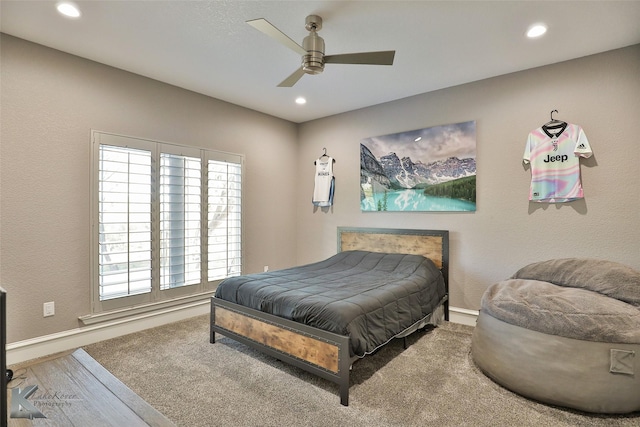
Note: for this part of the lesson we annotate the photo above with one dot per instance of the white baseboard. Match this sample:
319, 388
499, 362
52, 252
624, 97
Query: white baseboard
34, 348
463, 316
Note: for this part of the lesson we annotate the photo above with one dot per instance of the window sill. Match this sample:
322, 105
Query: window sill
147, 309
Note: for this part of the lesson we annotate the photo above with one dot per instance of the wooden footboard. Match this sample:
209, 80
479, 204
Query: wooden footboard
320, 352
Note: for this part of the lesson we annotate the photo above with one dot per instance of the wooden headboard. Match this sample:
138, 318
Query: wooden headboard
432, 244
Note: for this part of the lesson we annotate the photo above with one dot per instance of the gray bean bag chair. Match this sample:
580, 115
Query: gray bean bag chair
565, 332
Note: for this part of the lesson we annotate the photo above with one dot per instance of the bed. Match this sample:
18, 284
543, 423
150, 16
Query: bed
322, 317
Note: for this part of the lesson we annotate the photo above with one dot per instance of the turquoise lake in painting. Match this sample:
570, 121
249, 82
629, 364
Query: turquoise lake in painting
408, 200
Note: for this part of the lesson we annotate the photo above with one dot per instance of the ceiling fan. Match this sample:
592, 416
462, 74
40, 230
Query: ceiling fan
312, 50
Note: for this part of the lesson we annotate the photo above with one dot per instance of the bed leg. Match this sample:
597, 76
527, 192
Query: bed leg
212, 333
344, 394
446, 310
344, 369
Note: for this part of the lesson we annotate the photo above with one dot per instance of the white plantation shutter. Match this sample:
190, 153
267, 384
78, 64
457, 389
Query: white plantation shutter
167, 220
125, 221
224, 219
180, 224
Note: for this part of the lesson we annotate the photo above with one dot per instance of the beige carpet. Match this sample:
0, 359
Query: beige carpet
433, 382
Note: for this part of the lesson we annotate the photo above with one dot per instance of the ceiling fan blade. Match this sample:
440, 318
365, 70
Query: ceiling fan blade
293, 78
370, 58
269, 29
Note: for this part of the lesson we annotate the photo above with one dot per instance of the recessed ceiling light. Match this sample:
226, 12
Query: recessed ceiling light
536, 30
68, 9
300, 100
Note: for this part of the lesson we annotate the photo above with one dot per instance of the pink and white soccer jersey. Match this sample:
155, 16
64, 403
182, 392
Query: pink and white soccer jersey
554, 155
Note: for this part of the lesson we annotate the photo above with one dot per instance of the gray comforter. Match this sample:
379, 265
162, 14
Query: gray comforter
370, 297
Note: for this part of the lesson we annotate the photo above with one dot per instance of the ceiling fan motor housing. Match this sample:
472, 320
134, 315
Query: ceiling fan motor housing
313, 61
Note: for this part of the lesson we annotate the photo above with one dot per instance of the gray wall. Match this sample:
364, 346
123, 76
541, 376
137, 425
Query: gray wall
601, 93
49, 102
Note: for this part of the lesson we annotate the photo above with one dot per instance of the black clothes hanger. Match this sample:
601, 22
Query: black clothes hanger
324, 154
554, 121
554, 124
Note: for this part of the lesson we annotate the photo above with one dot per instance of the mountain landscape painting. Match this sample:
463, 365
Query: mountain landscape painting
430, 169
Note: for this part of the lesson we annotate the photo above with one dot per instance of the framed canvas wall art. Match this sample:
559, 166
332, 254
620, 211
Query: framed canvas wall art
424, 170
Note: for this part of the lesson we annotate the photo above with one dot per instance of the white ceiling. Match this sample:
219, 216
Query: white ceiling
206, 46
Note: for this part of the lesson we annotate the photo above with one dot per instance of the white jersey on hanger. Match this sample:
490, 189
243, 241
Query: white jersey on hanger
324, 182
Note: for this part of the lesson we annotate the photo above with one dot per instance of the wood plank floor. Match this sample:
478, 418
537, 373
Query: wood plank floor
75, 390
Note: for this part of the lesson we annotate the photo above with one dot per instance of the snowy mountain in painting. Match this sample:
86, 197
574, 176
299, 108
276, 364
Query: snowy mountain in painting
391, 172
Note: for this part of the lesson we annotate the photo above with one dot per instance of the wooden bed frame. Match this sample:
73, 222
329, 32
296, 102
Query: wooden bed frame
317, 351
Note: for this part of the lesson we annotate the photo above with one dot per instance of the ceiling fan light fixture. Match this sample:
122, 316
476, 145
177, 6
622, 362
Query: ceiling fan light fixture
312, 64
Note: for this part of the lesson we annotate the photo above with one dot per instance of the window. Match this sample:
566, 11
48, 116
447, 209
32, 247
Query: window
167, 220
